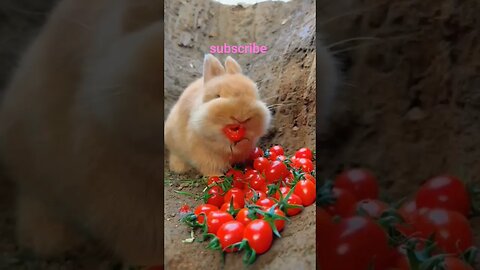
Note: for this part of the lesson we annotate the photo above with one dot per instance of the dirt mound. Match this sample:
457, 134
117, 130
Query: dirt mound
409, 106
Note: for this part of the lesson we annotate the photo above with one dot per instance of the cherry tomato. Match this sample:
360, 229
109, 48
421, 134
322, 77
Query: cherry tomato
257, 152
306, 190
249, 174
215, 196
275, 151
324, 226
257, 182
445, 192
265, 203
294, 200
237, 195
234, 132
304, 153
230, 233
360, 182
279, 223
250, 194
205, 209
304, 164
184, 209
226, 206
343, 204
242, 216
216, 218
374, 208
276, 172
259, 235
283, 191
261, 164
288, 180
356, 243
452, 230
310, 177
238, 178
407, 211
214, 179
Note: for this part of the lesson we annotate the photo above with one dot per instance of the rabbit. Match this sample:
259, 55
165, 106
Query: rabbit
193, 128
81, 131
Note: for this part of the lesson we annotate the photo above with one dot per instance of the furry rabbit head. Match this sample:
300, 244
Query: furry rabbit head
229, 99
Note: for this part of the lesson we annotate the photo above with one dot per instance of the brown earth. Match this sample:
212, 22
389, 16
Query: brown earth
408, 108
286, 79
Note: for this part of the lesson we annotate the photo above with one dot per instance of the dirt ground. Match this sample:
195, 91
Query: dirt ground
408, 107
286, 79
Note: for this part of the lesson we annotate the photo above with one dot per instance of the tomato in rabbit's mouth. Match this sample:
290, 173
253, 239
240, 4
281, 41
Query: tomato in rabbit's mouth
234, 132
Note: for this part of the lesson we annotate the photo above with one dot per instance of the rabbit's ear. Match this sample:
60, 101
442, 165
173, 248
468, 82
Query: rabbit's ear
211, 68
232, 66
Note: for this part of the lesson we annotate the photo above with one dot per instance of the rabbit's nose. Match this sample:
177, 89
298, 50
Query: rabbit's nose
241, 121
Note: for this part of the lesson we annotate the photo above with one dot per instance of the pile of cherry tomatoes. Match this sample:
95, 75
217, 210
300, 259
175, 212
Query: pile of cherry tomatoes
249, 206
357, 230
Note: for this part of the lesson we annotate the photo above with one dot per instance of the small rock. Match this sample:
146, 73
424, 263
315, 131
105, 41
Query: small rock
295, 128
173, 214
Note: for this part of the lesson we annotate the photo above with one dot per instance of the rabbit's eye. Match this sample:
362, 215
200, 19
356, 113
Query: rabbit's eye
217, 96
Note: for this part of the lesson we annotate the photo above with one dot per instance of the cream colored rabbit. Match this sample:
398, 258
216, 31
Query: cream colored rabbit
194, 128
81, 130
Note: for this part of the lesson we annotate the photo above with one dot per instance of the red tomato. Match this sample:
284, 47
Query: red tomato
214, 179
276, 172
310, 177
304, 164
242, 216
445, 192
294, 200
275, 151
215, 196
261, 164
234, 132
356, 243
306, 190
374, 208
407, 211
265, 203
230, 233
238, 178
250, 194
360, 182
304, 153
257, 152
324, 226
184, 209
288, 180
205, 209
344, 202
257, 182
259, 235
216, 218
279, 223
283, 191
226, 206
237, 195
452, 230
